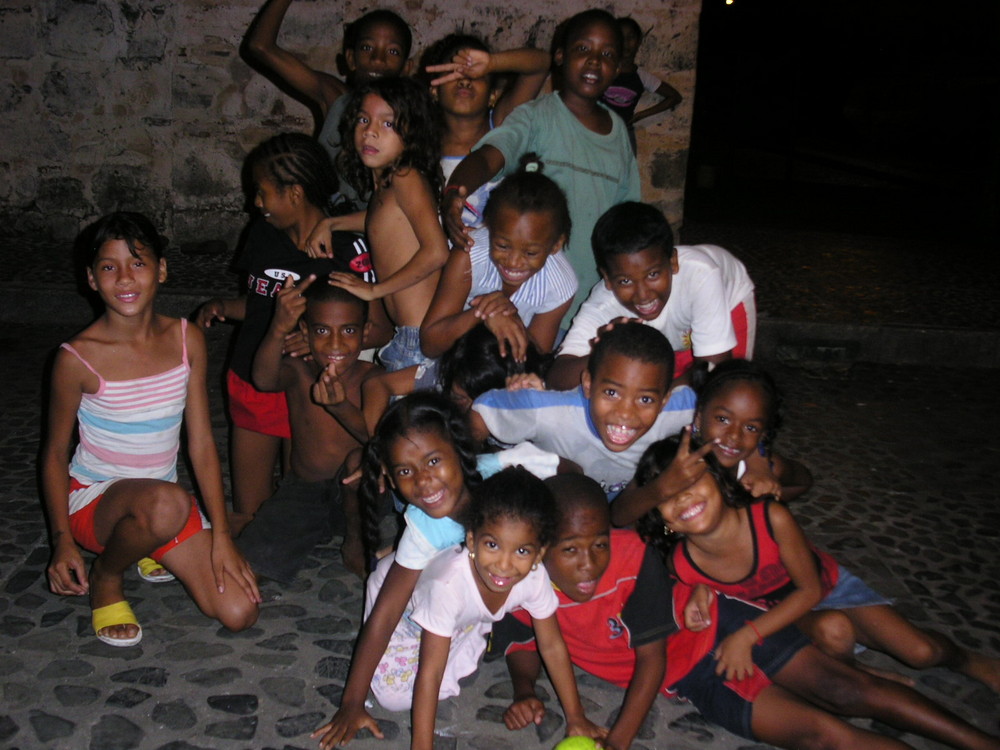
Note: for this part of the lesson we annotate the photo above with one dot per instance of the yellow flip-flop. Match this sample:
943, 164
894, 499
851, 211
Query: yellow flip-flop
147, 566
119, 613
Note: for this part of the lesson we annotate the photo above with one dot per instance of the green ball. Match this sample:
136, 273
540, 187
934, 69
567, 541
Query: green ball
576, 743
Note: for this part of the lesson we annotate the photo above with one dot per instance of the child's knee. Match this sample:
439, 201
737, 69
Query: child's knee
925, 651
237, 613
166, 510
834, 634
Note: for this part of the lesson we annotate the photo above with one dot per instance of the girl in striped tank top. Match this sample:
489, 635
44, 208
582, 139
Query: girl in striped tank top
128, 381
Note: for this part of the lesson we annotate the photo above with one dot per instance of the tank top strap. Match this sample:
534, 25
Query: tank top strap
69, 347
184, 342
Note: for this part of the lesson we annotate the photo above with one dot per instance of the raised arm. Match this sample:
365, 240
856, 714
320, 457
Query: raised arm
531, 68
372, 643
261, 47
291, 304
67, 572
472, 172
219, 309
446, 321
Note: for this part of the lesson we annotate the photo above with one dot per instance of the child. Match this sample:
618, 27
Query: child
622, 617
624, 93
473, 99
127, 381
324, 408
585, 145
293, 180
462, 592
625, 404
756, 550
514, 279
698, 296
395, 158
376, 45
423, 447
739, 412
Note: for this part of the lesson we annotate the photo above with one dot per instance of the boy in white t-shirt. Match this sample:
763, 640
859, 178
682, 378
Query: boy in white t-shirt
699, 296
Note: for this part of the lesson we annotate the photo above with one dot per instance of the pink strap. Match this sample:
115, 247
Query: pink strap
184, 342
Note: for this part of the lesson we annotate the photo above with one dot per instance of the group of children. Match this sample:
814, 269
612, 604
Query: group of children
647, 413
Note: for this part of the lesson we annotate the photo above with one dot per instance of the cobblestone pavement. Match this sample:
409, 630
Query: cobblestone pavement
905, 463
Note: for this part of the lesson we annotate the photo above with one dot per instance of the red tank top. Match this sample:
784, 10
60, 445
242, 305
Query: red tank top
768, 581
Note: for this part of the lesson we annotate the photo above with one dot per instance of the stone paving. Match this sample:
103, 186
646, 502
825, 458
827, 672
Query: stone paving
904, 459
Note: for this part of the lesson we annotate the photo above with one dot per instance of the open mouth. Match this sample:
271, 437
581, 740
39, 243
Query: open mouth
694, 511
648, 309
431, 500
501, 582
587, 588
513, 276
127, 297
620, 434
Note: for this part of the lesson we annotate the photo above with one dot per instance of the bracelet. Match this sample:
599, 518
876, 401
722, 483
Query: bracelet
760, 638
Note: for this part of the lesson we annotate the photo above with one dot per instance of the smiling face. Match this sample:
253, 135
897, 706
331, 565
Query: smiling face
276, 203
335, 330
505, 550
375, 137
425, 469
735, 417
589, 60
625, 397
581, 553
378, 51
641, 282
696, 510
127, 283
520, 243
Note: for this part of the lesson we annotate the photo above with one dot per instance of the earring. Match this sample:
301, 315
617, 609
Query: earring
694, 430
667, 531
535, 566
472, 555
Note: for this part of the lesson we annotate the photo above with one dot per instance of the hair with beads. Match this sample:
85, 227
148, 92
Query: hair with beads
710, 383
528, 190
296, 159
417, 122
654, 461
419, 412
518, 495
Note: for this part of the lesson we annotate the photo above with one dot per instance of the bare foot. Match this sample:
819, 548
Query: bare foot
984, 668
107, 589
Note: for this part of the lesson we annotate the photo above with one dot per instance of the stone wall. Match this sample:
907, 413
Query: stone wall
148, 105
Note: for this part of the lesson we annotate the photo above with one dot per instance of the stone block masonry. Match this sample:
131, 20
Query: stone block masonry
147, 104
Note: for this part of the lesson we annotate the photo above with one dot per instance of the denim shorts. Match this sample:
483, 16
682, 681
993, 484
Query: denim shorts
849, 592
403, 351
730, 704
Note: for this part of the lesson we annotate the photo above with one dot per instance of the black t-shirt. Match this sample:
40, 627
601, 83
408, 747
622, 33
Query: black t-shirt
268, 257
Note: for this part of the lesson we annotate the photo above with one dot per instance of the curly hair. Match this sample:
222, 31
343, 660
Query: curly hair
474, 364
421, 411
528, 189
653, 462
296, 159
417, 123
515, 494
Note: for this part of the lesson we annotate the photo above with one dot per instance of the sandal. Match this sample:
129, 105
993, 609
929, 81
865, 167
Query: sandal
147, 567
119, 613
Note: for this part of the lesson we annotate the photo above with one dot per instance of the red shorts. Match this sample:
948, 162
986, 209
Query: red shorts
255, 410
744, 341
81, 525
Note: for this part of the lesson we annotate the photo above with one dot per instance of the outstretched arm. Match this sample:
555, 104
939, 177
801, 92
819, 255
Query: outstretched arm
433, 659
650, 667
372, 642
526, 708
446, 321
261, 46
